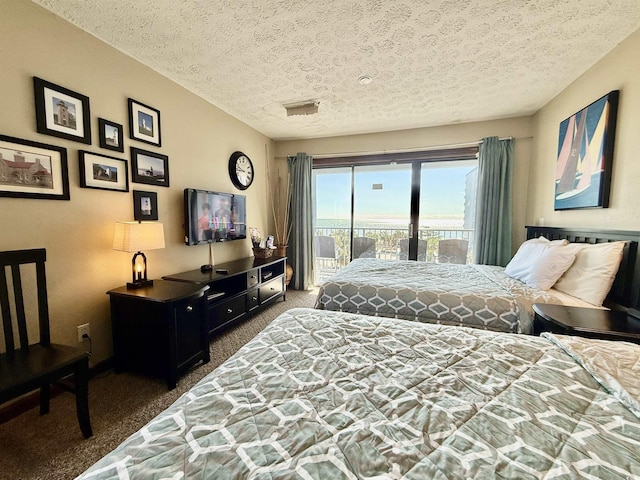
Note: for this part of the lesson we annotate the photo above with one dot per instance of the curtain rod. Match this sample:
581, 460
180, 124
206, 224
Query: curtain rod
404, 150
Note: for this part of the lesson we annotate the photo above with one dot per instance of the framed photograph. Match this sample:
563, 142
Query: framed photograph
61, 112
111, 135
144, 123
33, 170
145, 205
103, 172
585, 155
149, 167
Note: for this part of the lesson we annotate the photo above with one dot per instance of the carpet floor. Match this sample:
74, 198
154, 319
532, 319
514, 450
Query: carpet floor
52, 447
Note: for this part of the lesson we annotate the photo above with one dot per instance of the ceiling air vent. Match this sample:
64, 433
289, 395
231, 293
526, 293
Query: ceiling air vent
302, 108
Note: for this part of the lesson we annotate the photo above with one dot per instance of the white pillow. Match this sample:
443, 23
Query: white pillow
548, 242
593, 272
539, 264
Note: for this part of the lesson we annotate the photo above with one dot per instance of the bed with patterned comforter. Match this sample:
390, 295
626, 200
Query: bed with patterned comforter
331, 395
480, 296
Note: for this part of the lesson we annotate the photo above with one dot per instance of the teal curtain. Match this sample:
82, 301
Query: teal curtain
493, 208
300, 254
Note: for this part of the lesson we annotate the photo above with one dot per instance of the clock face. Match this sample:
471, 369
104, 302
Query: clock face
244, 170
240, 170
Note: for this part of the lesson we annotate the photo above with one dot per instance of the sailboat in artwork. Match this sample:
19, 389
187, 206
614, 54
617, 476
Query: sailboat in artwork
576, 173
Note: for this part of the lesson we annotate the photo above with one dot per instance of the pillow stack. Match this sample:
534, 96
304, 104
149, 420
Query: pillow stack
583, 270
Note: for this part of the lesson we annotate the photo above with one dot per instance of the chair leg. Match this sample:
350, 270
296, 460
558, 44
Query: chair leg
45, 395
82, 397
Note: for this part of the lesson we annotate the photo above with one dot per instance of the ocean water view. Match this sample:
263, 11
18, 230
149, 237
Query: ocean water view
447, 223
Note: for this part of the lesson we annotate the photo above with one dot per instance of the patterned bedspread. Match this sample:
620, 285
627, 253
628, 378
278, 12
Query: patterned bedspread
478, 296
330, 395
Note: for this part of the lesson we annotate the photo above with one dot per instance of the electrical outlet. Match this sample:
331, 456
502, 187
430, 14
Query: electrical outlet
83, 330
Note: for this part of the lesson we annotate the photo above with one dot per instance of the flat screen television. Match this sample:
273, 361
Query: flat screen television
213, 216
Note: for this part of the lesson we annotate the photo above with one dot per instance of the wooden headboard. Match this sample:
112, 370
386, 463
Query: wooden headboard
624, 294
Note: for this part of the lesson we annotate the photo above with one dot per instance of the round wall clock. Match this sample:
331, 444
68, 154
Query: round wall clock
240, 170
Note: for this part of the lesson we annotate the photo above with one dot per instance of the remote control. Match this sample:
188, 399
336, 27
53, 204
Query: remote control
222, 270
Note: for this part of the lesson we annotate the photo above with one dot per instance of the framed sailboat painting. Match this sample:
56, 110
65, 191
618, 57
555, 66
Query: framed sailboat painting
585, 155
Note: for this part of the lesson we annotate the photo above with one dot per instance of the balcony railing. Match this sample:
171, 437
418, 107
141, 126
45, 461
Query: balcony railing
387, 242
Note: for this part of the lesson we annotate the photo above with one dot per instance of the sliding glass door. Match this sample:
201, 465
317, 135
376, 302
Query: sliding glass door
394, 211
381, 211
447, 211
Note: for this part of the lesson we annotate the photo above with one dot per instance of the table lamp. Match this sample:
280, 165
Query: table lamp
135, 237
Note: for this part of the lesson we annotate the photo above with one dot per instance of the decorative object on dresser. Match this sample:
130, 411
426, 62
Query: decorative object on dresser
149, 167
280, 198
585, 155
144, 123
241, 170
61, 112
160, 329
111, 135
586, 322
248, 285
33, 170
28, 367
135, 237
103, 172
145, 205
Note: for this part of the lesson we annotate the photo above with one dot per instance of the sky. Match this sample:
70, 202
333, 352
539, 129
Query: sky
442, 192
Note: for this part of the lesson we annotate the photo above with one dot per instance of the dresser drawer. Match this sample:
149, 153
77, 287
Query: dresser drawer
226, 311
252, 278
253, 299
271, 289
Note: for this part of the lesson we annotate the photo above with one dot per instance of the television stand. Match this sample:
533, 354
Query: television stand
249, 285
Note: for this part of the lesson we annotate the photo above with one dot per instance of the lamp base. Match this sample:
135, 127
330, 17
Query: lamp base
139, 284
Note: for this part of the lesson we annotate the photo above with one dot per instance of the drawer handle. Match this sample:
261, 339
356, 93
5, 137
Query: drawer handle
254, 277
272, 289
254, 298
229, 310
189, 308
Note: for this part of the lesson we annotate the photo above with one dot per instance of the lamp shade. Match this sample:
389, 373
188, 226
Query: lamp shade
138, 236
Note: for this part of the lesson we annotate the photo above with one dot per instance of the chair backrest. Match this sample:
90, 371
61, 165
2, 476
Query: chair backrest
12, 261
363, 247
403, 246
325, 246
453, 250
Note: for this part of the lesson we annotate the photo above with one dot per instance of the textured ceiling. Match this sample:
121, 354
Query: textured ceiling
433, 62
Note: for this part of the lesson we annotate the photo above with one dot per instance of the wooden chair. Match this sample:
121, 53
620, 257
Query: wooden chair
364, 247
36, 365
453, 250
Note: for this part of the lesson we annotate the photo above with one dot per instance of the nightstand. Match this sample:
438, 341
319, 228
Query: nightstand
586, 322
160, 330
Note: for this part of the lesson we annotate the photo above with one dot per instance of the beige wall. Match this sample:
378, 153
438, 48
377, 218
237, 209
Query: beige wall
520, 128
78, 234
619, 70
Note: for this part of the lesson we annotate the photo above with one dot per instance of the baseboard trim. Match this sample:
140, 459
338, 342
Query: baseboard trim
32, 399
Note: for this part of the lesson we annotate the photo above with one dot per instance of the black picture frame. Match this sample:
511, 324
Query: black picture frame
145, 205
47, 178
103, 172
144, 123
585, 155
61, 112
150, 168
111, 135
